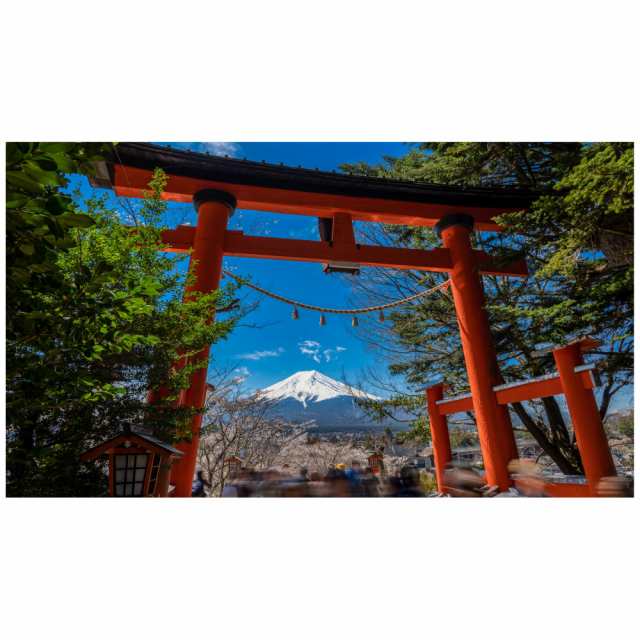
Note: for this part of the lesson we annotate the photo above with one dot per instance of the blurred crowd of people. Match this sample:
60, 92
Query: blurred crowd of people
339, 480
528, 481
356, 481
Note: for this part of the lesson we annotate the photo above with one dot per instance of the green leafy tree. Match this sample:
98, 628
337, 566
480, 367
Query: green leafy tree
577, 286
103, 323
40, 217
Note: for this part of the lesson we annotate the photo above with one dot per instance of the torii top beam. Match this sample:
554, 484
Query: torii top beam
281, 189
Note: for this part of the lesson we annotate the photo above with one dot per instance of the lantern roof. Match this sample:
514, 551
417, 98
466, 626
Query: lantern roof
135, 438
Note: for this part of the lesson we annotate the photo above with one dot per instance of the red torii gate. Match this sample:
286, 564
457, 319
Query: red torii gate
575, 381
218, 185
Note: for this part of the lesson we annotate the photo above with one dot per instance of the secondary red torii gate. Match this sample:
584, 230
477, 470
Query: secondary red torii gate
574, 380
217, 186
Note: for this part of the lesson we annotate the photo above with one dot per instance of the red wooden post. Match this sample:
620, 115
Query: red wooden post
495, 431
585, 417
214, 208
439, 434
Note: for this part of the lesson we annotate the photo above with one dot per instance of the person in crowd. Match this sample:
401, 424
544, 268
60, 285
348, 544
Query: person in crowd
240, 485
270, 483
294, 486
527, 478
370, 484
615, 487
337, 482
316, 487
463, 482
198, 486
392, 486
409, 484
354, 476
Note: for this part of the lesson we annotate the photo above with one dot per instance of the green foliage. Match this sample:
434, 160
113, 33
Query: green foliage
39, 218
428, 483
104, 326
460, 438
589, 215
577, 241
418, 433
625, 425
621, 425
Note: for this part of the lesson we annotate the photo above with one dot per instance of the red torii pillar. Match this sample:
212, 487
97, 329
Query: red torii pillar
585, 417
495, 431
214, 208
439, 434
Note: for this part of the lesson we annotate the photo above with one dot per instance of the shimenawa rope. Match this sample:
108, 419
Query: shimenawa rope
311, 307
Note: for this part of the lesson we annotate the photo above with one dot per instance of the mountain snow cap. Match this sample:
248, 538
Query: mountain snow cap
312, 386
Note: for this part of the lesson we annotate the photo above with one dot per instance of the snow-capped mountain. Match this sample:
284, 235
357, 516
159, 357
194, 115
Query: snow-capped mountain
311, 395
312, 386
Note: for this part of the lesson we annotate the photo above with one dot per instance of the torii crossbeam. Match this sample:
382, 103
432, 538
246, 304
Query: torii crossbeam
217, 186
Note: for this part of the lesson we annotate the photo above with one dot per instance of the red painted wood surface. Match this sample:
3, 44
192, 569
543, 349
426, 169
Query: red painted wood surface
206, 263
585, 416
495, 432
520, 393
567, 490
439, 434
237, 244
459, 405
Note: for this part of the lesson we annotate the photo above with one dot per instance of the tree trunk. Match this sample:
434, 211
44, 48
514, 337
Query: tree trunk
552, 450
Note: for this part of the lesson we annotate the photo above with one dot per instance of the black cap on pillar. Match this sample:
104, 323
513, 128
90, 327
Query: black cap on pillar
213, 195
453, 219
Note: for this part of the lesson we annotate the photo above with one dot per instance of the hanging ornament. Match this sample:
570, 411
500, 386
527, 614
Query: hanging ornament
381, 316
295, 315
354, 321
322, 320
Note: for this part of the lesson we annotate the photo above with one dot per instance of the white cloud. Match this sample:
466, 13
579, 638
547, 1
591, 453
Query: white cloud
242, 374
310, 352
222, 148
310, 348
258, 355
315, 351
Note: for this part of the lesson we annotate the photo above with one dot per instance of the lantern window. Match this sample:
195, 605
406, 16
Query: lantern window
130, 472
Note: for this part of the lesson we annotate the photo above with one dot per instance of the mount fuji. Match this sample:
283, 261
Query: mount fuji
313, 396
